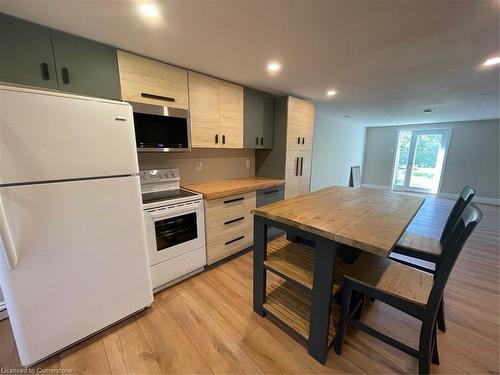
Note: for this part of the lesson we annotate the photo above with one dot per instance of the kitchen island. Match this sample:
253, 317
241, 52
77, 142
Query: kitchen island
369, 220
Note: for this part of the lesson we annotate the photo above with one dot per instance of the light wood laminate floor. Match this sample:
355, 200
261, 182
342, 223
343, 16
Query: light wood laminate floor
206, 324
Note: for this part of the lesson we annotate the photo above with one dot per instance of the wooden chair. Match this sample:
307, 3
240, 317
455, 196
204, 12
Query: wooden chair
429, 249
355, 177
407, 289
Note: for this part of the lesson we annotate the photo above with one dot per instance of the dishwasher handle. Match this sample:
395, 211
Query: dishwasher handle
6, 238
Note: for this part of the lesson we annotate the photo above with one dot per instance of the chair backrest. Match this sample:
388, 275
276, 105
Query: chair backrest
355, 177
461, 203
452, 247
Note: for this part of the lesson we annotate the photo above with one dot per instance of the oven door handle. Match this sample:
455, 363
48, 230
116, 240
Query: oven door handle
167, 212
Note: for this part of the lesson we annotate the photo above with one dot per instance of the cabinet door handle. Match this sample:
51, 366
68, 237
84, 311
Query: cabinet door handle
44, 69
297, 167
65, 75
256, 141
234, 200
262, 141
236, 239
271, 191
301, 165
298, 140
303, 139
157, 97
223, 139
234, 220
216, 138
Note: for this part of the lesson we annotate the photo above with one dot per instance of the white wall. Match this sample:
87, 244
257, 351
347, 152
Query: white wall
337, 147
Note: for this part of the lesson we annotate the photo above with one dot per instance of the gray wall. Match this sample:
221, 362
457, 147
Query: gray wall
473, 156
337, 147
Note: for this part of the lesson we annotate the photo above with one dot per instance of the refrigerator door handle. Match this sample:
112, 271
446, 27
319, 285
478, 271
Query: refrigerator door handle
6, 238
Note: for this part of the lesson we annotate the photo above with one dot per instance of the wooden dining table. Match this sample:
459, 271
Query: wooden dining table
366, 219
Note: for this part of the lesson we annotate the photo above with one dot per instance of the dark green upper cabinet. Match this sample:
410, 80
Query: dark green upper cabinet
86, 67
26, 53
38, 56
258, 119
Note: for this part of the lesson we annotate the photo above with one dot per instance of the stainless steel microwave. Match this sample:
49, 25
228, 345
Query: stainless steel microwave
161, 129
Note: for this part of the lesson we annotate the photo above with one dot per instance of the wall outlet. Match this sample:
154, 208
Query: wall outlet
199, 165
248, 163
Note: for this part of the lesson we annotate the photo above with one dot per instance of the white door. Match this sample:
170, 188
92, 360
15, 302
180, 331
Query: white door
48, 136
81, 260
420, 160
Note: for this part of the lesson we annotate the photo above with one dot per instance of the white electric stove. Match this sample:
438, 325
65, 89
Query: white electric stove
175, 227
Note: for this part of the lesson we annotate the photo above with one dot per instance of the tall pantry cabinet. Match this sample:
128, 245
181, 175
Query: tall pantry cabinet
291, 156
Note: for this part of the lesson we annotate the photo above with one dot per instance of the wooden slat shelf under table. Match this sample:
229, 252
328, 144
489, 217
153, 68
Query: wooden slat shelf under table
296, 261
292, 305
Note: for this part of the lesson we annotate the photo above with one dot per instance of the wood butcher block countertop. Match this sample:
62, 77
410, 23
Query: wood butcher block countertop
371, 220
225, 188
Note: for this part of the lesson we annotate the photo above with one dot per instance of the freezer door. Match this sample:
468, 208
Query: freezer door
82, 261
47, 136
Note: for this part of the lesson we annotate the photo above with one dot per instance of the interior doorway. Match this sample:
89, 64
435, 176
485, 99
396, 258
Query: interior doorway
420, 158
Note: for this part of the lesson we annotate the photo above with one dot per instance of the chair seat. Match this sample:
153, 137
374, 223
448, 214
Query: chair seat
391, 277
419, 244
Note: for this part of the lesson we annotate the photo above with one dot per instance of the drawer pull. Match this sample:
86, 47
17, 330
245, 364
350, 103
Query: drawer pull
234, 220
271, 191
157, 97
234, 200
236, 239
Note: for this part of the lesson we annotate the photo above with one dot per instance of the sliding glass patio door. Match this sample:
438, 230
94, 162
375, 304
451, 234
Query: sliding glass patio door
419, 160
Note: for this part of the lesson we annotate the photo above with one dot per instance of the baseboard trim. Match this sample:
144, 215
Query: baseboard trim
375, 187
3, 311
476, 199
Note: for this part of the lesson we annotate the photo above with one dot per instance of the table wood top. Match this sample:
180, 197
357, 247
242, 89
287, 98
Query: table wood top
225, 188
371, 220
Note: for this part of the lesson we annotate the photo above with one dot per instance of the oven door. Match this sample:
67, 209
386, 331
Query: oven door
174, 230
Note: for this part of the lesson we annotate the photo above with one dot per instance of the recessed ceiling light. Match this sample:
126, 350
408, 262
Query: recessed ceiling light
273, 67
492, 61
331, 92
149, 10
427, 110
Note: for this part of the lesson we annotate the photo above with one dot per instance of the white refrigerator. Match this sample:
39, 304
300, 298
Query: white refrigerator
73, 257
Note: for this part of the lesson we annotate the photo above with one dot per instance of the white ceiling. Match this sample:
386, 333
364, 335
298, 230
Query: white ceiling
388, 59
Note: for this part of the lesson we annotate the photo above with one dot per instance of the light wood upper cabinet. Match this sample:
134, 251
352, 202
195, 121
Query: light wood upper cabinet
231, 114
216, 110
300, 124
152, 82
204, 110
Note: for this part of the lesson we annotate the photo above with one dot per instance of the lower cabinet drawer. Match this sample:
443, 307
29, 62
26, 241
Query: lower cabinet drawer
229, 245
219, 229
268, 196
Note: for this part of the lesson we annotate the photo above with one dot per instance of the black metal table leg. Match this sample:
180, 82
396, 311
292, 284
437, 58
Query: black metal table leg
321, 299
259, 256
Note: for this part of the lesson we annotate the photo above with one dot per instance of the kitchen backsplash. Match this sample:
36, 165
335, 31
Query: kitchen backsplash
216, 164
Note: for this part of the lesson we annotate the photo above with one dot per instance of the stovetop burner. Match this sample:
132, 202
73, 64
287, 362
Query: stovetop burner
158, 196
